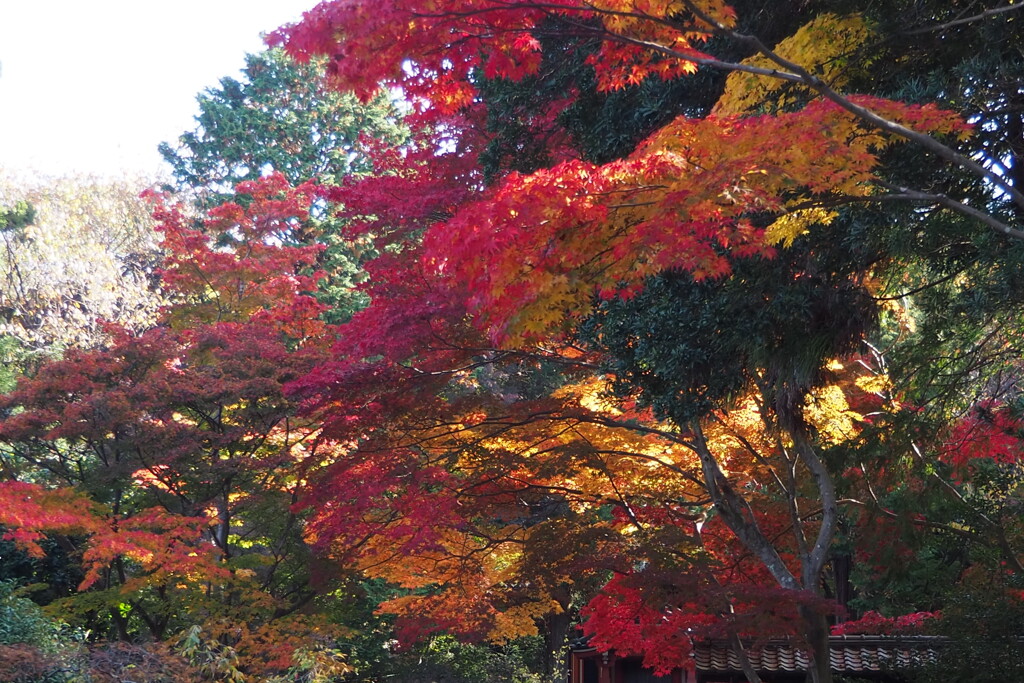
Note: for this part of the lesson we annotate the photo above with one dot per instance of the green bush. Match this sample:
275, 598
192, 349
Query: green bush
984, 629
22, 621
32, 646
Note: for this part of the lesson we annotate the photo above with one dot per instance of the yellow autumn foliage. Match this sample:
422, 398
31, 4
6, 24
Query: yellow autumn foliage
822, 46
622, 15
874, 384
521, 620
789, 226
828, 411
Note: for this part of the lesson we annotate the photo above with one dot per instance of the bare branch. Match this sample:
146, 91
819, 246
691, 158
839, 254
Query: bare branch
959, 207
965, 20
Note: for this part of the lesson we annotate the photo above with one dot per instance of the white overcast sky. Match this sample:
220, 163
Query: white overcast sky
95, 85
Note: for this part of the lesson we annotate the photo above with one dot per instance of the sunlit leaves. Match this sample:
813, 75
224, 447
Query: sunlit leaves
685, 200
82, 256
826, 45
167, 547
430, 49
789, 226
181, 445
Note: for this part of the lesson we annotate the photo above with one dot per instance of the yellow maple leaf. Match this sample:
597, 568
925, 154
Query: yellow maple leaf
829, 412
822, 46
789, 226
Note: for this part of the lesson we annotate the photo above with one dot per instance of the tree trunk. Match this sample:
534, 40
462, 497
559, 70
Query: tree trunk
816, 630
741, 654
741, 520
556, 632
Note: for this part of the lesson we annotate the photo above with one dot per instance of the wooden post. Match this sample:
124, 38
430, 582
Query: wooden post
605, 669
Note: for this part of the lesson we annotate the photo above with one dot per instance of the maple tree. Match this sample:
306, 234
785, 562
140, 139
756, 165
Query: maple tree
281, 117
639, 40
421, 487
167, 459
785, 151
468, 467
665, 328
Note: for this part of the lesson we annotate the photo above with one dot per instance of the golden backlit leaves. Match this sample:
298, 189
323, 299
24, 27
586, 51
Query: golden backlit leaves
789, 226
823, 46
619, 479
874, 384
521, 620
592, 393
628, 12
738, 437
619, 485
536, 493
745, 444
828, 411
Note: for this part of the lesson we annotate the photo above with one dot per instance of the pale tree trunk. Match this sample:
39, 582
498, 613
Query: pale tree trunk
816, 630
737, 514
813, 561
741, 654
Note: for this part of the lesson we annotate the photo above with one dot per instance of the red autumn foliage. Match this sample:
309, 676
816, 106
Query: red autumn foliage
990, 431
173, 452
873, 623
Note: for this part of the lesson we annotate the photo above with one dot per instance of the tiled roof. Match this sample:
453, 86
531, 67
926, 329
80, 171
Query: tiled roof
847, 653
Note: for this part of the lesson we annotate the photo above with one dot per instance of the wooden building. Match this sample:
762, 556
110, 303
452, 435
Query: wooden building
868, 658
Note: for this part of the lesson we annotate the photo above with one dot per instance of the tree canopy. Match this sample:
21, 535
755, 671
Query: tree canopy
76, 251
677, 321
281, 117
